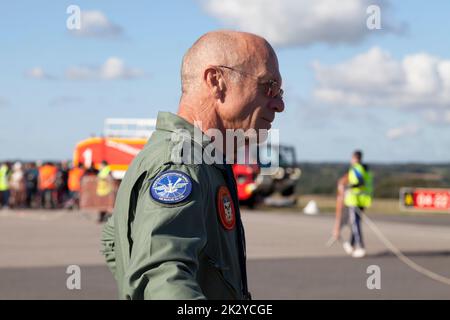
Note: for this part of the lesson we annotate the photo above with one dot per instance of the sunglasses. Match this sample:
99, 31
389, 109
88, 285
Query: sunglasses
272, 87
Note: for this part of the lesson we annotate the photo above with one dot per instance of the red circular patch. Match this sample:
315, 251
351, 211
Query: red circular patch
225, 206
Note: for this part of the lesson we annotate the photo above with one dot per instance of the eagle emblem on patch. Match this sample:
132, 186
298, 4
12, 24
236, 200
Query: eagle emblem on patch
225, 206
171, 187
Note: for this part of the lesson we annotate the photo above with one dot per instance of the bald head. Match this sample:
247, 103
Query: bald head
230, 80
245, 51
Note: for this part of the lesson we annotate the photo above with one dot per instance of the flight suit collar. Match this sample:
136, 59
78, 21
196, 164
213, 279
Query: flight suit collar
167, 121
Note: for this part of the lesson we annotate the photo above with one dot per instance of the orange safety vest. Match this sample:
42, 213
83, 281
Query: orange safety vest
47, 177
75, 175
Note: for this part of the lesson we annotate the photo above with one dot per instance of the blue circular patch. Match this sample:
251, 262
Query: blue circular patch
171, 187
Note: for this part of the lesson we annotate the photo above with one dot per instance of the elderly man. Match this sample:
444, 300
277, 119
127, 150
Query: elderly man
176, 231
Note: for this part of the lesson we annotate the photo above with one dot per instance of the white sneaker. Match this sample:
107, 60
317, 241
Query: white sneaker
359, 253
347, 247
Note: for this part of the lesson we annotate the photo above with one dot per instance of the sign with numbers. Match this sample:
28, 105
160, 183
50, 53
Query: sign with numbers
425, 199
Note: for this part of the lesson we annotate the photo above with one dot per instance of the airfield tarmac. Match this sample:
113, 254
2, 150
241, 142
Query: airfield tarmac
286, 252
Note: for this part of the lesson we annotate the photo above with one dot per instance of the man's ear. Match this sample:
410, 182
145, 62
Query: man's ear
214, 80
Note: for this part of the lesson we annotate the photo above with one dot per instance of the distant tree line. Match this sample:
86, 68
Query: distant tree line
321, 178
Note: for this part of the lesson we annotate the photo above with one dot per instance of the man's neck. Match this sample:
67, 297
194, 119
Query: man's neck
204, 117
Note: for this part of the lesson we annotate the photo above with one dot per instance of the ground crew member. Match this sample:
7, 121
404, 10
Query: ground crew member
17, 186
176, 231
74, 185
4, 186
47, 185
31, 182
62, 188
356, 197
104, 185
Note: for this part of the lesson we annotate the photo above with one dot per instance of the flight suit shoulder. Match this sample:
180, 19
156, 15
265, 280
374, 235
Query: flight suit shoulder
160, 160
168, 231
165, 149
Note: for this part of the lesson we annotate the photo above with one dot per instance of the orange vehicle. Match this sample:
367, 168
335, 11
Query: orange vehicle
124, 138
121, 141
118, 152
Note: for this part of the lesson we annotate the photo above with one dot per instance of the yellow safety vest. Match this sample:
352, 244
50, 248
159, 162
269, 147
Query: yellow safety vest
104, 185
4, 185
361, 194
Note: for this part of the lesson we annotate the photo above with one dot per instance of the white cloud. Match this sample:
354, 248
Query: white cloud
375, 78
301, 22
438, 117
399, 132
113, 69
38, 73
95, 24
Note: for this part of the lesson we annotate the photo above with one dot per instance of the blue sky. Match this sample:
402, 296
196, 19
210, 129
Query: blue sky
53, 92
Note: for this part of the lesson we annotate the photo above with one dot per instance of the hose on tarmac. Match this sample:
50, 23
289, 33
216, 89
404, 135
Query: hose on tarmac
413, 265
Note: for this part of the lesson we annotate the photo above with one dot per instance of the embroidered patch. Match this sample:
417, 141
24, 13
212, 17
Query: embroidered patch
225, 206
171, 187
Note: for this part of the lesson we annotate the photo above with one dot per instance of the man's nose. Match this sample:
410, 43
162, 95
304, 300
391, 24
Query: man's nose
277, 105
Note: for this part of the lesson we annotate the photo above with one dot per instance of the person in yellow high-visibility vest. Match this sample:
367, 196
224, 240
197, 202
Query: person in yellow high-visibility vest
355, 192
4, 185
104, 185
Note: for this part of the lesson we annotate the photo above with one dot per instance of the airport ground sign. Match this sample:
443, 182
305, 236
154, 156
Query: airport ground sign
425, 199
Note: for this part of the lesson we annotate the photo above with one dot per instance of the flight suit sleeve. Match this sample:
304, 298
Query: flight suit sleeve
108, 244
167, 242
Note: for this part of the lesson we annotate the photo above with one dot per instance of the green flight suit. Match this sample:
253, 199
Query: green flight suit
174, 251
